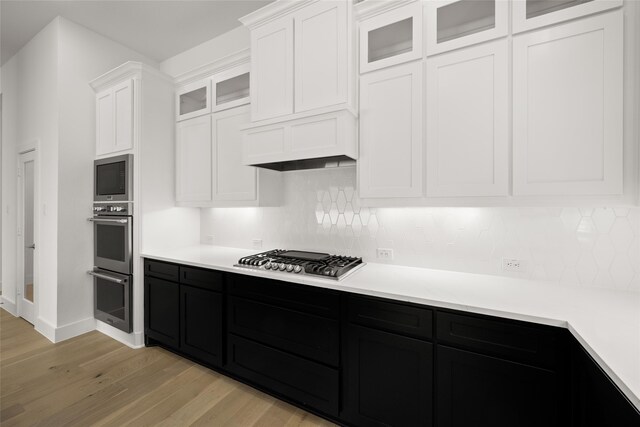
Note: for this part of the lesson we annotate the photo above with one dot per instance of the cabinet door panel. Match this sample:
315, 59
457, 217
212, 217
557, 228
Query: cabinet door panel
482, 391
468, 86
123, 115
321, 59
193, 159
388, 379
272, 70
201, 324
162, 311
531, 14
567, 108
231, 180
307, 382
105, 123
391, 156
297, 332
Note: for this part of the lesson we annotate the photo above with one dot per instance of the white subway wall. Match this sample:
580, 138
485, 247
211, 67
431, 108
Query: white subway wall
590, 247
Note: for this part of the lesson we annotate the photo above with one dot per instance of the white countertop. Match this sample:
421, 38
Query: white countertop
606, 322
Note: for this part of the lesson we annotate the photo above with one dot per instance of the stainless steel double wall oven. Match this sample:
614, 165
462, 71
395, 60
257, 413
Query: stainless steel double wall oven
113, 241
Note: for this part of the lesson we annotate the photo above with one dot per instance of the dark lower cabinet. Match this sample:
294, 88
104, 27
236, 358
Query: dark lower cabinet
388, 379
366, 361
162, 311
312, 384
201, 328
597, 401
484, 391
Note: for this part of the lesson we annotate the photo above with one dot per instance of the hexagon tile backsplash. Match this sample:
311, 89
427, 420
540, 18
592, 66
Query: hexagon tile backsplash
594, 247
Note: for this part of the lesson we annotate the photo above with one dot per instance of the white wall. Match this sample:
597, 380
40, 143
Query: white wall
83, 56
9, 88
37, 120
209, 51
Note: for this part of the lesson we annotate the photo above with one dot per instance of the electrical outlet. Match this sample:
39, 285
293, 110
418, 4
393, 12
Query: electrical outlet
210, 238
257, 243
514, 265
385, 254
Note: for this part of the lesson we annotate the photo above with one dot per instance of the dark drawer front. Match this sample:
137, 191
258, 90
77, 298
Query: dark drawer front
306, 299
201, 278
307, 382
161, 270
304, 334
403, 319
518, 342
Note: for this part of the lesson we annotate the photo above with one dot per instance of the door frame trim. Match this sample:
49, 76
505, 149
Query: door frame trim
30, 147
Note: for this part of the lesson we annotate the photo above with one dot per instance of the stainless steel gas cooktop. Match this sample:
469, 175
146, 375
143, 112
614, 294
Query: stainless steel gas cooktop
300, 262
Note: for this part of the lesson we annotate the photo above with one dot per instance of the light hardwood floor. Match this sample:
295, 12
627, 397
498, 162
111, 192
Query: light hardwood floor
94, 380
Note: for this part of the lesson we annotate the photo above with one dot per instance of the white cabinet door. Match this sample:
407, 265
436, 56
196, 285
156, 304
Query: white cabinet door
105, 124
321, 55
452, 24
193, 160
272, 69
193, 100
391, 38
568, 108
391, 158
123, 114
467, 122
114, 119
231, 180
532, 14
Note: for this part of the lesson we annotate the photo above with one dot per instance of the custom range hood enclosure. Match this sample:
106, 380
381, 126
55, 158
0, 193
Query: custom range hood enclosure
319, 141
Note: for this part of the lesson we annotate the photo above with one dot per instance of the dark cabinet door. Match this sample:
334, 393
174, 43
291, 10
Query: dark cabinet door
483, 391
597, 401
388, 379
162, 311
201, 324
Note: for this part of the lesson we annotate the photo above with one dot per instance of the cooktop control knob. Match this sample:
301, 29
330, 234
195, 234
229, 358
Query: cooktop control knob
282, 266
297, 269
267, 265
289, 268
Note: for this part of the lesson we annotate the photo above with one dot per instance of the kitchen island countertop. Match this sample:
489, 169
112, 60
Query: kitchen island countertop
605, 322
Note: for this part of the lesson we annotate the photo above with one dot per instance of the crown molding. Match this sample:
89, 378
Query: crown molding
129, 69
207, 70
368, 8
274, 11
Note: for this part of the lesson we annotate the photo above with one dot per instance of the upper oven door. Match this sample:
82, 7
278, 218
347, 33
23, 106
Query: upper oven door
113, 178
113, 243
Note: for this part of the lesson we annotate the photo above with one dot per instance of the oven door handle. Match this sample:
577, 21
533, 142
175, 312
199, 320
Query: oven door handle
119, 221
105, 277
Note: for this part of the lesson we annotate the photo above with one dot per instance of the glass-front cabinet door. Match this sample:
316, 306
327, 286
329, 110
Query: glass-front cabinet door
452, 24
531, 14
193, 100
230, 88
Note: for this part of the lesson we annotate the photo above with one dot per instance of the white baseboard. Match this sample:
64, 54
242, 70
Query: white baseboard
64, 332
9, 305
133, 340
45, 328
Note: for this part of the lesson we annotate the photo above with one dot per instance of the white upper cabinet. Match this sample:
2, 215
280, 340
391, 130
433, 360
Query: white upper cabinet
321, 55
391, 38
568, 108
114, 119
230, 88
391, 157
452, 24
231, 180
193, 100
272, 69
531, 14
193, 160
467, 122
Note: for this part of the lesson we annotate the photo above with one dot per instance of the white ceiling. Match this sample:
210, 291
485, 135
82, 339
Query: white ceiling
156, 28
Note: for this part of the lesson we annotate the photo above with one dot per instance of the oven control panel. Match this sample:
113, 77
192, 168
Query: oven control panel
125, 208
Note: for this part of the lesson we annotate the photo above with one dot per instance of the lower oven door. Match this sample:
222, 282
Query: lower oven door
112, 298
113, 241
